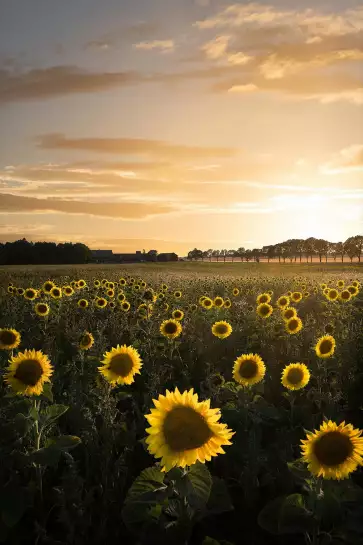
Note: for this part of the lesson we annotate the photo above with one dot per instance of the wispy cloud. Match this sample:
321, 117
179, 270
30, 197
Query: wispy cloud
349, 159
164, 46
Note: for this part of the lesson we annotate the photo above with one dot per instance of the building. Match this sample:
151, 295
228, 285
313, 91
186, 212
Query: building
107, 256
102, 256
168, 256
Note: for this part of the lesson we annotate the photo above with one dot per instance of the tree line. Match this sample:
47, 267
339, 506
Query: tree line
22, 252
292, 250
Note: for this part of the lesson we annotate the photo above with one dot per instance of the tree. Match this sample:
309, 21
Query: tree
224, 254
241, 252
321, 247
354, 246
216, 254
232, 254
309, 248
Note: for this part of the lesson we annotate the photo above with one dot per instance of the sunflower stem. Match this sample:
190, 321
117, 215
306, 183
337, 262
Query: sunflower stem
38, 468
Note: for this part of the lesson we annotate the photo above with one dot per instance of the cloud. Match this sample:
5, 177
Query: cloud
131, 211
133, 146
349, 159
165, 46
56, 81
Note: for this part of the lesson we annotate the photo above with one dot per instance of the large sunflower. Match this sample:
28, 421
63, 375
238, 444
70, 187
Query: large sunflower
345, 296
283, 301
294, 325
9, 339
56, 292
264, 310
249, 369
68, 290
82, 303
295, 376
334, 451
184, 430
121, 364
28, 371
221, 329
263, 298
296, 296
177, 314
125, 306
218, 302
48, 286
332, 294
87, 341
101, 302
42, 309
30, 294
171, 328
289, 312
82, 283
353, 290
325, 346
207, 303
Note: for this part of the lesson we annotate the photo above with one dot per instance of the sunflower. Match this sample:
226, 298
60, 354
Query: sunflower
121, 297
28, 371
294, 325
9, 339
249, 369
296, 296
193, 307
82, 303
121, 364
177, 294
20, 291
334, 451
101, 302
340, 284
136, 287
235, 292
218, 302
283, 301
171, 328
42, 309
96, 283
184, 430
207, 303
353, 290
355, 283
104, 281
125, 306
48, 286
160, 296
164, 287
227, 303
345, 295
263, 298
289, 293
329, 328
332, 294
122, 282
264, 310
56, 292
201, 299
323, 286
81, 283
289, 312
30, 294
221, 329
143, 284
165, 307
325, 346
68, 290
10, 289
177, 314
110, 292
295, 376
149, 295
87, 340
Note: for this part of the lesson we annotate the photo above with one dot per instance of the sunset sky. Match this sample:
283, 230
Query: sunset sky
170, 124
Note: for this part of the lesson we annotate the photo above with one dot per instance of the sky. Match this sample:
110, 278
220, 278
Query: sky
174, 124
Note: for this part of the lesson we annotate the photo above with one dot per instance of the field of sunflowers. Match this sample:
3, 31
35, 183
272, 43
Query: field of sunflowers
158, 406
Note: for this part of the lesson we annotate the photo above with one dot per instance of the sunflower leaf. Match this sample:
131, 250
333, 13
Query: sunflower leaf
63, 442
53, 412
200, 481
47, 391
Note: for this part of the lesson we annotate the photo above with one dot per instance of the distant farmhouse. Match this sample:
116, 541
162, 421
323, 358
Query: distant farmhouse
107, 256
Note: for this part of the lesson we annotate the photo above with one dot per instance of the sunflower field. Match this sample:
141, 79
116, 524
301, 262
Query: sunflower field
161, 406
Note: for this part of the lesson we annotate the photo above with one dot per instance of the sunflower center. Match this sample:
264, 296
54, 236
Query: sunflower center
283, 302
295, 375
7, 337
289, 314
221, 329
121, 365
293, 324
86, 339
185, 429
248, 369
42, 308
333, 448
170, 328
29, 372
326, 346
264, 310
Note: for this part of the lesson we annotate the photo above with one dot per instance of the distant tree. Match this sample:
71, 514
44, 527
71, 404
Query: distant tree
241, 252
232, 254
248, 255
216, 254
354, 246
321, 247
309, 248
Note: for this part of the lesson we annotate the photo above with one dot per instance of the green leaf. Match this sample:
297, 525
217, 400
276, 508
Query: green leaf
149, 480
200, 481
34, 413
22, 424
219, 499
210, 541
47, 391
53, 412
47, 456
64, 442
286, 515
